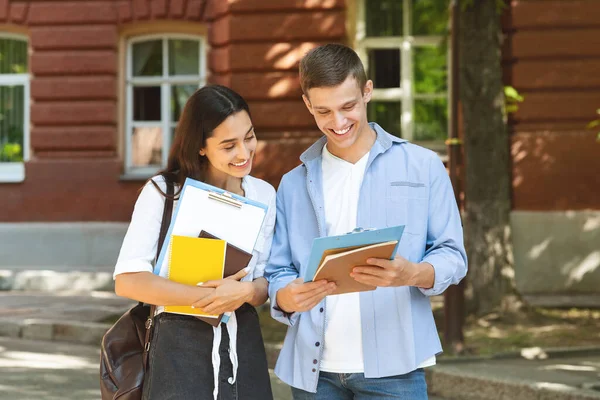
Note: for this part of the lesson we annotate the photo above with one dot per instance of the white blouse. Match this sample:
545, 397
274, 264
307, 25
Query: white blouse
139, 247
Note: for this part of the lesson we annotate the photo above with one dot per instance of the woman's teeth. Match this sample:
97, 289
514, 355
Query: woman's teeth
240, 164
343, 131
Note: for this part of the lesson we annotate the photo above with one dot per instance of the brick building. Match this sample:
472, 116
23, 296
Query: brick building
91, 90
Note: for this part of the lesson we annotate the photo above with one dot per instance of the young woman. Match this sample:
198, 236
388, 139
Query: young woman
215, 143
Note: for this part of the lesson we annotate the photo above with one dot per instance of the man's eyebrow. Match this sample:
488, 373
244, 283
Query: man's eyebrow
234, 140
343, 105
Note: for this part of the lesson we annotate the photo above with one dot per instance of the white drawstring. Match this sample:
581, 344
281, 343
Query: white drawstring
216, 358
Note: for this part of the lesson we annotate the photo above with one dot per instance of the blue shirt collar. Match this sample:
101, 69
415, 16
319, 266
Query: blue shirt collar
384, 140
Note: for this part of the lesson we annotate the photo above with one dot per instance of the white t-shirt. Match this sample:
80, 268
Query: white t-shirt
139, 246
343, 329
341, 183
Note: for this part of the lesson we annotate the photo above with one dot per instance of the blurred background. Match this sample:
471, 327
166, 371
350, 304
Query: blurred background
506, 92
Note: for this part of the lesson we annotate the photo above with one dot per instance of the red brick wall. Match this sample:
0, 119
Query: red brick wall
256, 49
552, 56
75, 168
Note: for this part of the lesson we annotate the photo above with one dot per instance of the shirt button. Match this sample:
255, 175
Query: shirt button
315, 361
314, 370
321, 309
317, 344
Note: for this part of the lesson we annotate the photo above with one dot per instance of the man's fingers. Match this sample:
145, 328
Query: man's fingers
374, 271
308, 287
370, 279
380, 262
317, 293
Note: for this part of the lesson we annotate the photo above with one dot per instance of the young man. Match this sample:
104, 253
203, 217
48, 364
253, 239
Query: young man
375, 344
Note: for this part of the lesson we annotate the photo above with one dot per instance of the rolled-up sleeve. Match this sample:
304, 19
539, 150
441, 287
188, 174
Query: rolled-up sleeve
139, 245
445, 244
280, 270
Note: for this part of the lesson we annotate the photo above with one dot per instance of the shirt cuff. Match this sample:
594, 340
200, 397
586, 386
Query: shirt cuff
441, 280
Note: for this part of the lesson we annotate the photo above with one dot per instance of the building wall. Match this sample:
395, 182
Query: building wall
76, 167
552, 57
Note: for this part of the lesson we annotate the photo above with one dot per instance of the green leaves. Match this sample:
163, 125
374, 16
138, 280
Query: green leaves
512, 99
11, 152
595, 124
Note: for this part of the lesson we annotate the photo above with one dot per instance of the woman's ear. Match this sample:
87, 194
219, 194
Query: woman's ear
202, 152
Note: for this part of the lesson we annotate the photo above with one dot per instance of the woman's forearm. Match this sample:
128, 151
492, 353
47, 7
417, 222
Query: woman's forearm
152, 289
260, 293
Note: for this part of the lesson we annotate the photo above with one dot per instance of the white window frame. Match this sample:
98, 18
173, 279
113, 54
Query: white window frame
165, 82
406, 45
14, 172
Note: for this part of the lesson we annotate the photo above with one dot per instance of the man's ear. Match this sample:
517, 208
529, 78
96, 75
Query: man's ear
307, 104
368, 91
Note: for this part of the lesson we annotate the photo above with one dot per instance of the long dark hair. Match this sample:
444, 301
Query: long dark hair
206, 109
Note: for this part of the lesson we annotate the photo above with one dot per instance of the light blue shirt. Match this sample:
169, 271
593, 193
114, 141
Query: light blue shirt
404, 184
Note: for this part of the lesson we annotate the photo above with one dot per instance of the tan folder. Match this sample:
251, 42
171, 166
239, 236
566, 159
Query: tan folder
338, 264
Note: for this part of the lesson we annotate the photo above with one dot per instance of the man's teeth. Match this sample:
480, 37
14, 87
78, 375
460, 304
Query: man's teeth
342, 131
240, 164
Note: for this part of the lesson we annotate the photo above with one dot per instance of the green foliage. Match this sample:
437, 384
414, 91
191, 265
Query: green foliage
512, 99
595, 124
11, 152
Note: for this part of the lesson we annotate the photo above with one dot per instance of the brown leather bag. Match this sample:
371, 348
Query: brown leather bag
124, 352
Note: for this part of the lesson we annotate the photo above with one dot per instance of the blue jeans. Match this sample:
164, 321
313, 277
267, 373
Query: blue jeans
331, 386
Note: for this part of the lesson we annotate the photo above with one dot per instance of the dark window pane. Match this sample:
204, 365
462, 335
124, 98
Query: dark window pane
146, 146
384, 17
147, 58
13, 56
146, 103
384, 68
430, 71
430, 119
184, 57
179, 95
12, 103
430, 17
386, 114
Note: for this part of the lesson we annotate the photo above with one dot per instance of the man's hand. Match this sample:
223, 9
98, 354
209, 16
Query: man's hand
298, 296
229, 294
396, 272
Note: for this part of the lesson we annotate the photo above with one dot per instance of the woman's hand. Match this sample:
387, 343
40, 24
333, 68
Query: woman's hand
228, 296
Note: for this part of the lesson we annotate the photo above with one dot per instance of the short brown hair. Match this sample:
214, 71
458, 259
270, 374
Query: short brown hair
329, 65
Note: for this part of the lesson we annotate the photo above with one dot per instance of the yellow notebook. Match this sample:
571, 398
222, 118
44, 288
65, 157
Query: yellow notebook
194, 260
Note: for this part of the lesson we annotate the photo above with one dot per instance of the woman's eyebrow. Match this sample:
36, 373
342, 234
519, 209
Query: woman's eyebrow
233, 140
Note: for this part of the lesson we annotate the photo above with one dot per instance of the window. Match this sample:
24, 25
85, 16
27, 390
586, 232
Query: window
162, 73
14, 107
401, 43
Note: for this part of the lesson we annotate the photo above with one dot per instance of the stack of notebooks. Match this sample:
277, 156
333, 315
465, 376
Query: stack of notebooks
201, 259
333, 258
337, 264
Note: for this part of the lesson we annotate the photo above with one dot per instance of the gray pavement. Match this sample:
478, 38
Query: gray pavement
49, 350
33, 370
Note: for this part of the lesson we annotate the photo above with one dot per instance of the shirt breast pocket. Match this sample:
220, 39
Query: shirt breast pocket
407, 204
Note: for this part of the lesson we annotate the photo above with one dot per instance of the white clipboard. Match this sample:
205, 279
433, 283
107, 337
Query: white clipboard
233, 218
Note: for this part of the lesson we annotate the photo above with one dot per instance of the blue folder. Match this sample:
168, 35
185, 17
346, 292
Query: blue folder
358, 237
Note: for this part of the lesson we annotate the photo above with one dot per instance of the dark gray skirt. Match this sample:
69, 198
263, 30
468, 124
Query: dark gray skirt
181, 363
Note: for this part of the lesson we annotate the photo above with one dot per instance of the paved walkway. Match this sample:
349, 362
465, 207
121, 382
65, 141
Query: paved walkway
49, 350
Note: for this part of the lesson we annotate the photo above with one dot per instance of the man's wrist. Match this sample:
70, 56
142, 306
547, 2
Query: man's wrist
424, 275
278, 305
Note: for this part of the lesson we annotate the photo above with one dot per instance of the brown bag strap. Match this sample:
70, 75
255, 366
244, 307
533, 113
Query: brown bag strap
164, 227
